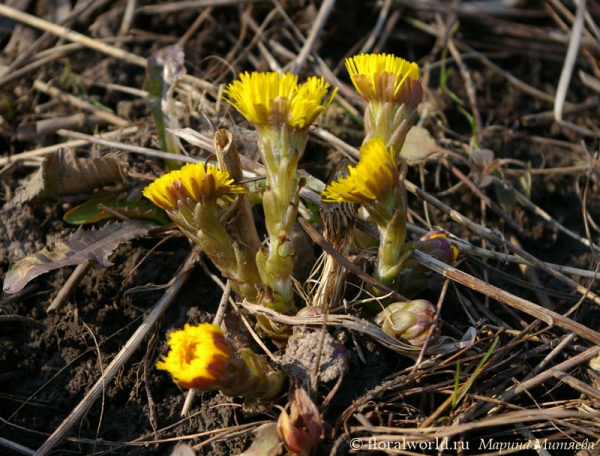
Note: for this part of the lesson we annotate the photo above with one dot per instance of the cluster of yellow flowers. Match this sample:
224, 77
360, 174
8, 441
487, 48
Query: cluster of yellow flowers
391, 87
198, 199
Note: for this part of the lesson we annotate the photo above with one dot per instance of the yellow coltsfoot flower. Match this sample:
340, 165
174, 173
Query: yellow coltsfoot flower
282, 110
375, 183
200, 357
193, 182
382, 77
393, 91
277, 99
199, 200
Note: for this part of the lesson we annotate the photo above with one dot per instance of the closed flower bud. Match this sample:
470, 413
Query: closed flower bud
416, 277
411, 321
297, 441
436, 244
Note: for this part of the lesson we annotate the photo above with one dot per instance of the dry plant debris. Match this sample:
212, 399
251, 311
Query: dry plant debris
503, 158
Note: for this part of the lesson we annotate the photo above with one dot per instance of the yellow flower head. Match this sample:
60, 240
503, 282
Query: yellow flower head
373, 178
382, 77
192, 181
197, 357
275, 98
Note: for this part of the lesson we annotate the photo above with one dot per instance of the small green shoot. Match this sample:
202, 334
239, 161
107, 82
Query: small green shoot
165, 69
459, 393
445, 74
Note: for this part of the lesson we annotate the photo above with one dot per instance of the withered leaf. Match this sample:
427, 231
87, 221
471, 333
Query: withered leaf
266, 442
62, 174
419, 144
92, 245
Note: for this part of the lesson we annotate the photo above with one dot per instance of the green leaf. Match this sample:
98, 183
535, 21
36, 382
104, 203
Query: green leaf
506, 195
134, 208
458, 395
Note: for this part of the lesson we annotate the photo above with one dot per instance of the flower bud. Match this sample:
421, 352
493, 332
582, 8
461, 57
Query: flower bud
436, 244
412, 321
297, 441
415, 277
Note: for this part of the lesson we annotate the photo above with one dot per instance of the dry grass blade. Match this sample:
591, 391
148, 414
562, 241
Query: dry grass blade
22, 449
499, 240
539, 379
187, 5
317, 28
545, 315
54, 92
573, 50
493, 422
318, 239
359, 325
91, 43
43, 151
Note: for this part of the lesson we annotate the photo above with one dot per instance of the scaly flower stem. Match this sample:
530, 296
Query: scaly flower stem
205, 228
375, 182
393, 251
280, 204
282, 184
